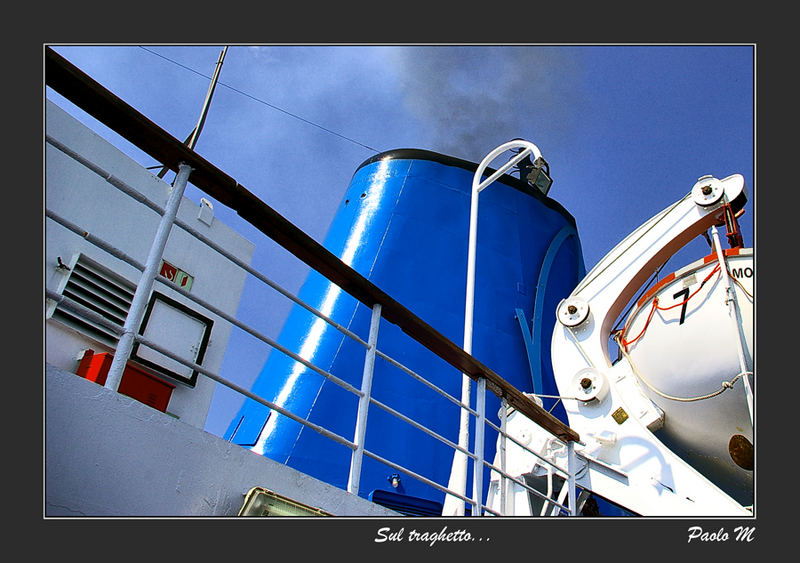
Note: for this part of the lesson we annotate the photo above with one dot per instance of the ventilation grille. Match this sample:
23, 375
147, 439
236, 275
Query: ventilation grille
100, 290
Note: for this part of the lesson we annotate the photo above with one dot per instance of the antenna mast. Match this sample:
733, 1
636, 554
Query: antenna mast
191, 140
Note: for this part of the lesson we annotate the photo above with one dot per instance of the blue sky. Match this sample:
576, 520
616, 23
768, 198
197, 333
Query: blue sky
627, 130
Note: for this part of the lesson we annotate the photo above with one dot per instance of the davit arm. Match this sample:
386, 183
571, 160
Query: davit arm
603, 401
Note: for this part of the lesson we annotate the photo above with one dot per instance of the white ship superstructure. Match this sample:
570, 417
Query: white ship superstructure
666, 428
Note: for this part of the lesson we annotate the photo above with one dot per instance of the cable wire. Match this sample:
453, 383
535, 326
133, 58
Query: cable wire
272, 106
723, 387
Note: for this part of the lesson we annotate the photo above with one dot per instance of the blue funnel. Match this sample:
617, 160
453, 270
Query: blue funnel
403, 224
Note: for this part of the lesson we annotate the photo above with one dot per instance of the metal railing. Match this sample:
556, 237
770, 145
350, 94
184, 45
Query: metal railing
365, 398
90, 96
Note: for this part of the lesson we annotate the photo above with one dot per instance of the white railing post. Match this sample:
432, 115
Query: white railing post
503, 482
480, 430
363, 404
572, 468
453, 506
142, 294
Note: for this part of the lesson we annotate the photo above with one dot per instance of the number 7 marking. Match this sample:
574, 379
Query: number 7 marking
685, 293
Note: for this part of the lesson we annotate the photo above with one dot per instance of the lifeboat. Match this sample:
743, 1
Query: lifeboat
672, 416
689, 342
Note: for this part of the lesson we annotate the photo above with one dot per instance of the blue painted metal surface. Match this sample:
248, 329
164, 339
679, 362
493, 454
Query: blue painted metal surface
403, 224
540, 331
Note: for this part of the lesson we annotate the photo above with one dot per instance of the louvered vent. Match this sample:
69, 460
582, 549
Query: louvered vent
100, 290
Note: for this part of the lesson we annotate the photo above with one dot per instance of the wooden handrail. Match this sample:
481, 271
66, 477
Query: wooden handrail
83, 91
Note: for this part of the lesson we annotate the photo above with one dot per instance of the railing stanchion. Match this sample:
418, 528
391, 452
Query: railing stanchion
503, 482
142, 294
363, 403
480, 431
571, 470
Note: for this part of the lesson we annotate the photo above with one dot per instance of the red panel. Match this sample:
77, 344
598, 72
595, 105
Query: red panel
94, 367
135, 382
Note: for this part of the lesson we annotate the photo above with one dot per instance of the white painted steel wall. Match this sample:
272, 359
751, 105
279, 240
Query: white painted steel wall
109, 455
89, 201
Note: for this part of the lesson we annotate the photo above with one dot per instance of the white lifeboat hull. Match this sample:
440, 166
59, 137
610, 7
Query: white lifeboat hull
687, 349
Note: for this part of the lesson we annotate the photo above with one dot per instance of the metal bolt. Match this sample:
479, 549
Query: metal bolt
572, 309
586, 382
706, 190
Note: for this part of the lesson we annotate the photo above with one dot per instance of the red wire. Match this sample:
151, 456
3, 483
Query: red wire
708, 277
655, 306
624, 342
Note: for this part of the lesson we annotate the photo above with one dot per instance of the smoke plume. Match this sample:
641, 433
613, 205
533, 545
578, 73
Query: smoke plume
470, 99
